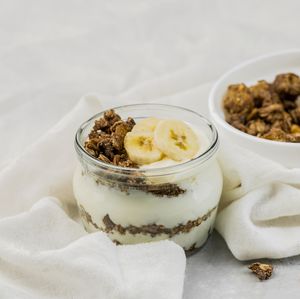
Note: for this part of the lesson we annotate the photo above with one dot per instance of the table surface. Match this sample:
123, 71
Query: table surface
213, 272
53, 52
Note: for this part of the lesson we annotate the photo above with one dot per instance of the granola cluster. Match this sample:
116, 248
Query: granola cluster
262, 271
266, 110
106, 140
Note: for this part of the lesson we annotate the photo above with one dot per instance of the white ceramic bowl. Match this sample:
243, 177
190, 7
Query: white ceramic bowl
264, 67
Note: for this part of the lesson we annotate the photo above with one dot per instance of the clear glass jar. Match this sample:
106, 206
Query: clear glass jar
132, 205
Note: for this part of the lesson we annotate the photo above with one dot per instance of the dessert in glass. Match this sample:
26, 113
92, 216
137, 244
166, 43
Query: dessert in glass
148, 172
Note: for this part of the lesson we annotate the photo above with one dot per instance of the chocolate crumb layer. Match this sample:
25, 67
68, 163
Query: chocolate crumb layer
86, 216
169, 190
151, 229
262, 271
154, 229
193, 249
117, 242
139, 182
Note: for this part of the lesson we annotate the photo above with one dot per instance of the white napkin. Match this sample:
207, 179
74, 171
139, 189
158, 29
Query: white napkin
258, 219
45, 254
259, 215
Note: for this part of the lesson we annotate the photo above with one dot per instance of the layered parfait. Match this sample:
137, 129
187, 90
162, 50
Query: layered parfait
147, 173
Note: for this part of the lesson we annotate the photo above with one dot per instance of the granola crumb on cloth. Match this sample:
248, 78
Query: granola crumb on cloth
262, 271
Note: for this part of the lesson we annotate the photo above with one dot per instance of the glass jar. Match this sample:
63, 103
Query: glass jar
177, 202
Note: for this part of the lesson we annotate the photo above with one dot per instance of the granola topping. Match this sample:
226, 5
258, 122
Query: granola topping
106, 140
266, 110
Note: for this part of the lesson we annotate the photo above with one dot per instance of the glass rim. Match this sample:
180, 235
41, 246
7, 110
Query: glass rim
159, 171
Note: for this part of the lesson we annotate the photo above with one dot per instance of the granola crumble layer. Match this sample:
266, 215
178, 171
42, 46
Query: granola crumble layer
152, 230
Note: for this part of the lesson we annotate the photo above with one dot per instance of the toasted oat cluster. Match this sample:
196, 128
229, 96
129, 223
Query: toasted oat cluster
266, 110
262, 271
106, 140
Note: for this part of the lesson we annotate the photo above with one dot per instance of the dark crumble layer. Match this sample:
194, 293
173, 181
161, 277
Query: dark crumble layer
87, 217
193, 249
117, 242
138, 182
106, 143
151, 229
266, 110
154, 229
169, 190
262, 271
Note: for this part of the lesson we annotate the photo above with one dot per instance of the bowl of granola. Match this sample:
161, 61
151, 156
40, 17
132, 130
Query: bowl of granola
256, 105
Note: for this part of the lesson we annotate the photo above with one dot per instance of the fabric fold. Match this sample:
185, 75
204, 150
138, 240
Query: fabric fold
259, 215
45, 254
46, 168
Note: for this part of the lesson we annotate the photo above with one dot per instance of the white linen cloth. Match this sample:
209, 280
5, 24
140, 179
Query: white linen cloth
257, 218
52, 52
259, 215
45, 254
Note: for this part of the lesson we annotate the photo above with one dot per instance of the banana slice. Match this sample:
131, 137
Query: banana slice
176, 140
146, 125
141, 148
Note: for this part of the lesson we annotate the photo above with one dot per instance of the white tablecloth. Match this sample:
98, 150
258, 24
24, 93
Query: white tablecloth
52, 52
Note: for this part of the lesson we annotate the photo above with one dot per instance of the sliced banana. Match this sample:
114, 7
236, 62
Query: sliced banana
141, 148
146, 125
176, 140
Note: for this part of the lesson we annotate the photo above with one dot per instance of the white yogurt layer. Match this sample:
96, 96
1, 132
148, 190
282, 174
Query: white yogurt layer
137, 208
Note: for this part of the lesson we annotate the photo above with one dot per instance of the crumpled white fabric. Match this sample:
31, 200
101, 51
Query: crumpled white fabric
259, 214
259, 211
52, 52
45, 254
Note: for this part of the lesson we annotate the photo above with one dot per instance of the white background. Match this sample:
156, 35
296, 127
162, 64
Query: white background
53, 52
